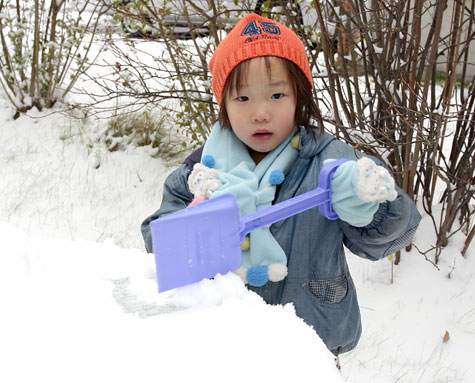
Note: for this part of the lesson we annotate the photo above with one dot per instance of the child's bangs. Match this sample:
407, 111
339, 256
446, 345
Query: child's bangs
236, 78
239, 74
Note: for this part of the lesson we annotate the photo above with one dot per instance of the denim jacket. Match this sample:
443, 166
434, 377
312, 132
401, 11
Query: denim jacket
319, 283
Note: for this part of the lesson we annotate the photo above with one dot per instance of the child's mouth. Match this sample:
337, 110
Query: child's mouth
262, 135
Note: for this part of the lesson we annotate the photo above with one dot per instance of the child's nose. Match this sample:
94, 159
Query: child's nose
260, 114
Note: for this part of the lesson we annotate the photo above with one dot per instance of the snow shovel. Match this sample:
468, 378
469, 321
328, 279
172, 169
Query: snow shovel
203, 240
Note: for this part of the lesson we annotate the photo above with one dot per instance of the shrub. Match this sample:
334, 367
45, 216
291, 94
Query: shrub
146, 127
44, 48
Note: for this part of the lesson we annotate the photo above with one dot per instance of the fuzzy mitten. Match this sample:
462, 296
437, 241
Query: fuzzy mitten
203, 182
358, 187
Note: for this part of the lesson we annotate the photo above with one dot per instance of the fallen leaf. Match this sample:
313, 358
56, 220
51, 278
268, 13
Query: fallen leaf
446, 336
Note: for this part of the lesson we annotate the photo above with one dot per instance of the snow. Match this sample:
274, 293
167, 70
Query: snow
87, 311
79, 297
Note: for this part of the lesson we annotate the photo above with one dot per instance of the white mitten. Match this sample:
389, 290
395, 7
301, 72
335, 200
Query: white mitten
203, 182
374, 183
358, 187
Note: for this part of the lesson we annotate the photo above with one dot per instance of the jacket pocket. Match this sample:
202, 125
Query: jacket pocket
330, 291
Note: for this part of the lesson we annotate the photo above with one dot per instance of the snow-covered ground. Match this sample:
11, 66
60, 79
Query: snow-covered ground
79, 299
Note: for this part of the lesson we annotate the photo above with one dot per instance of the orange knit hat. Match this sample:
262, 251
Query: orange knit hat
256, 36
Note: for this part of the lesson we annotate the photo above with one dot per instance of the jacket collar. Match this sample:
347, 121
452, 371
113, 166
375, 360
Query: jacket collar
312, 142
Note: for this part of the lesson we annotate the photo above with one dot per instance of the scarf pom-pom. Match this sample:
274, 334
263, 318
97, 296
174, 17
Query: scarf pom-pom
257, 276
276, 177
242, 273
277, 272
246, 244
295, 142
208, 161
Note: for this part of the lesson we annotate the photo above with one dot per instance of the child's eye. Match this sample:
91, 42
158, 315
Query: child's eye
242, 98
276, 96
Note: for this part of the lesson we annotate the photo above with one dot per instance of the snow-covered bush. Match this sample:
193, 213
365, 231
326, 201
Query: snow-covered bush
44, 48
146, 127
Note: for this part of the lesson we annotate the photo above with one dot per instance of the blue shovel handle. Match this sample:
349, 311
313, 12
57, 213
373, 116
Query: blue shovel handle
321, 197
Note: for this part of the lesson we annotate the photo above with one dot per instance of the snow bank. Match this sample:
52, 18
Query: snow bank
76, 311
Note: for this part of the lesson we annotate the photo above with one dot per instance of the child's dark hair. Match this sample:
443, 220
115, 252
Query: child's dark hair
307, 112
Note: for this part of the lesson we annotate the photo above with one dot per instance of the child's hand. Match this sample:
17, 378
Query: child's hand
357, 189
203, 182
196, 201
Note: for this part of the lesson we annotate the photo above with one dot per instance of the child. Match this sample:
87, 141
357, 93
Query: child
264, 150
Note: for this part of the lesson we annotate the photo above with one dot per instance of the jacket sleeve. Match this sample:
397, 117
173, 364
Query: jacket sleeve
176, 196
394, 223
393, 228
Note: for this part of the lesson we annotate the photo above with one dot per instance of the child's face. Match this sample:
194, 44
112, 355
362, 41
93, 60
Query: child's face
262, 114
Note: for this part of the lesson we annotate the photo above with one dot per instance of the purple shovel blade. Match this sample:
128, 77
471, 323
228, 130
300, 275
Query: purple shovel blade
197, 242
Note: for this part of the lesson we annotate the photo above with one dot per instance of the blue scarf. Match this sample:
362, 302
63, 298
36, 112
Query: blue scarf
254, 187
